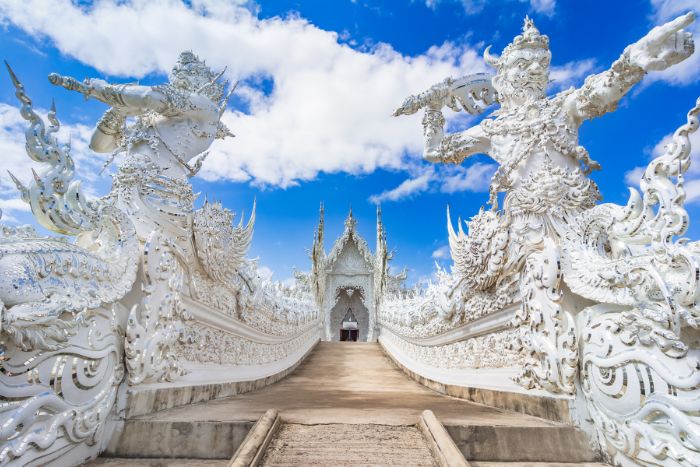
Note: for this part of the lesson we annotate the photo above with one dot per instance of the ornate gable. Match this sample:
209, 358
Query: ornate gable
350, 248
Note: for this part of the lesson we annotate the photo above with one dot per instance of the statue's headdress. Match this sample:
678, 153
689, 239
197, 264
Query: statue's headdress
529, 39
193, 73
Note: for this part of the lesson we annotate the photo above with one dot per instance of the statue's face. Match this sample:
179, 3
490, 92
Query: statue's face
524, 76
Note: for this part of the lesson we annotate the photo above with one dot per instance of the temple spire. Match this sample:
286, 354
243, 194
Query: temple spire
350, 221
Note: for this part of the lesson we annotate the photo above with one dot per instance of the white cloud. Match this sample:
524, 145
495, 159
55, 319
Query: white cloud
632, 177
442, 253
407, 188
475, 177
571, 73
665, 10
330, 106
444, 178
545, 7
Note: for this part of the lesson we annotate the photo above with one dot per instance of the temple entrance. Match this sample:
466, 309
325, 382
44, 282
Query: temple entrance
349, 330
349, 316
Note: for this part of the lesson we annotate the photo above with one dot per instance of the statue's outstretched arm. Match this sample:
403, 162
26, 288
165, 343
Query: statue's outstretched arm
455, 147
472, 93
128, 99
661, 48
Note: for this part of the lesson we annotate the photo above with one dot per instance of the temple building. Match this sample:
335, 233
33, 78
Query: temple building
350, 281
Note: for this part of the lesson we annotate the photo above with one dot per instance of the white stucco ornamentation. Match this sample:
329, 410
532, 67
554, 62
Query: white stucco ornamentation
147, 279
350, 269
608, 294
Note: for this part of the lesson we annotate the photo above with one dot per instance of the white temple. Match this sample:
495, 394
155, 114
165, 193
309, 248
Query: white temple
351, 278
566, 332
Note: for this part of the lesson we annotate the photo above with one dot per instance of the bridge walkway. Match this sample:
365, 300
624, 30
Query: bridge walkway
345, 384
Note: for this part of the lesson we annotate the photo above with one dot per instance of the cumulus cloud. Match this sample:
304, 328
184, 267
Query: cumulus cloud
406, 189
571, 73
329, 106
442, 253
444, 179
12, 148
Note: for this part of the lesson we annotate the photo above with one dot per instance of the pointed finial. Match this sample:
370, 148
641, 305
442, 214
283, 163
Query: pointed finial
38, 180
529, 28
20, 186
13, 76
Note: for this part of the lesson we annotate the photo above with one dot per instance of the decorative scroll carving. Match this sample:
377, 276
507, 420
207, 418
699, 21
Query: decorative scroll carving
60, 349
625, 271
155, 326
211, 345
56, 403
547, 335
642, 384
62, 354
477, 352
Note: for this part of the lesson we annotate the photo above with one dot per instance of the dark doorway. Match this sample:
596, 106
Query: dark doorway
349, 330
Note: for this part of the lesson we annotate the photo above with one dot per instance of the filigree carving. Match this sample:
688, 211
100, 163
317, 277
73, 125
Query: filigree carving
476, 353
221, 247
155, 325
57, 402
642, 385
211, 345
626, 267
62, 352
547, 334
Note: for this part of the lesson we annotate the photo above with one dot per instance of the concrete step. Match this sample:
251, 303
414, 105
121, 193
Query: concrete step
126, 462
537, 464
556, 443
348, 445
196, 439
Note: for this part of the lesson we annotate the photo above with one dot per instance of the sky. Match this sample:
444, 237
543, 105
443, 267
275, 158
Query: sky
318, 81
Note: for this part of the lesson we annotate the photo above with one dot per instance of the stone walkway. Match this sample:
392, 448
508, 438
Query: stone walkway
346, 397
347, 382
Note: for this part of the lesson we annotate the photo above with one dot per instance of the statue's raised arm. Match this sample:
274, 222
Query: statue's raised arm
663, 47
472, 93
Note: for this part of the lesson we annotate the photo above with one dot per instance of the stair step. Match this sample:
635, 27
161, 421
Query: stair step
346, 445
557, 443
125, 461
178, 439
536, 464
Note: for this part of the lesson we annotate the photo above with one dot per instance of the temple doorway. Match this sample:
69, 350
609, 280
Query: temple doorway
349, 316
349, 330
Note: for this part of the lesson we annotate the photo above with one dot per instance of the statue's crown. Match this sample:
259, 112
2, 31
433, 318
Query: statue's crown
529, 39
193, 72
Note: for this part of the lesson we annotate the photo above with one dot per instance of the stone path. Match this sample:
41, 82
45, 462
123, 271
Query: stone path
353, 392
346, 382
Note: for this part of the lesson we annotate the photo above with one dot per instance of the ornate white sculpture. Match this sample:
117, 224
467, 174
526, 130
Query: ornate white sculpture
632, 350
74, 315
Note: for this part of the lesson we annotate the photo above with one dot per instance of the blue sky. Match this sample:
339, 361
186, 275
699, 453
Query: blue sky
319, 80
